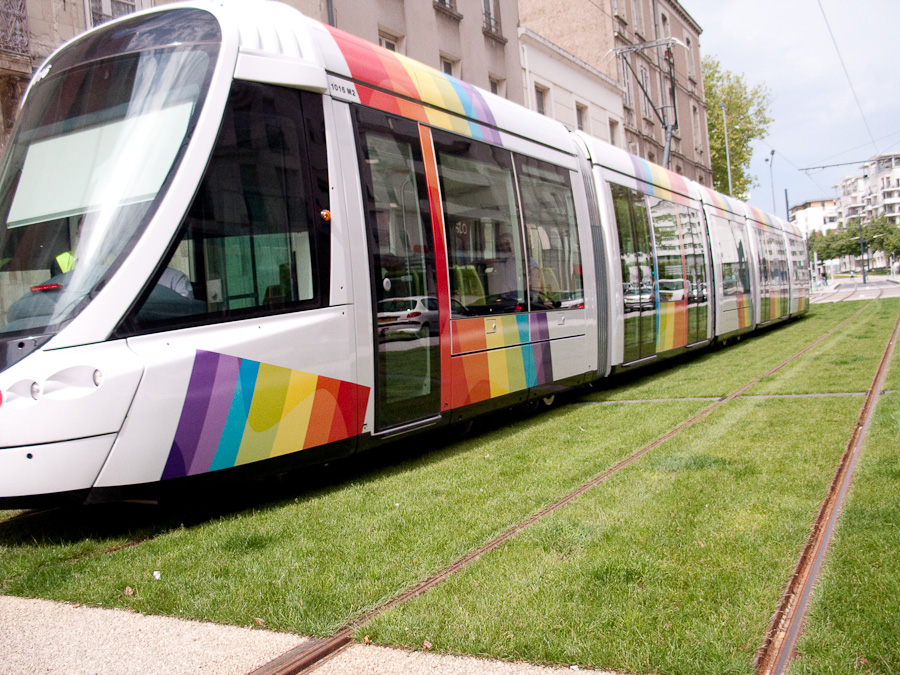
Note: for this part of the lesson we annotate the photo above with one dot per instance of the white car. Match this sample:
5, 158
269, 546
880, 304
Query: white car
415, 317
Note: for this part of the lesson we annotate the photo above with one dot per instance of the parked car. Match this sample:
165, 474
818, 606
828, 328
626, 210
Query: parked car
415, 317
638, 297
672, 290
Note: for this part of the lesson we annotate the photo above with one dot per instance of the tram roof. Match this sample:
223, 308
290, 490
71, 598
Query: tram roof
384, 79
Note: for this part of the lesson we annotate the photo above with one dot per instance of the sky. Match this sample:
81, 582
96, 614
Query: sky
786, 46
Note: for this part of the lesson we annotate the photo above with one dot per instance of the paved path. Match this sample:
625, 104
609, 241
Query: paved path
39, 636
837, 290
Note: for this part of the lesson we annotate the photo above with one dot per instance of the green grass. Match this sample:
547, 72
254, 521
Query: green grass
675, 565
845, 362
854, 622
312, 563
719, 372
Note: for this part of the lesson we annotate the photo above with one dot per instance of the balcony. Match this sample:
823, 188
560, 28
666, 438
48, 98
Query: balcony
14, 28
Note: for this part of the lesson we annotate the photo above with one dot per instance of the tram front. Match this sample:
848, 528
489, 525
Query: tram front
107, 153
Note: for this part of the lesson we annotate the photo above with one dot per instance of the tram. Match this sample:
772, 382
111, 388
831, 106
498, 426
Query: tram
234, 241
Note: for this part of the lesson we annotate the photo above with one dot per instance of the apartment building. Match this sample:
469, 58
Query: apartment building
661, 84
819, 215
569, 90
881, 188
474, 40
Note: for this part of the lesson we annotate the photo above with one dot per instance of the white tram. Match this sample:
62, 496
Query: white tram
234, 240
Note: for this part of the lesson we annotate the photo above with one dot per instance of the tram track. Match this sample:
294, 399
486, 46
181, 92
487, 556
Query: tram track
778, 650
307, 657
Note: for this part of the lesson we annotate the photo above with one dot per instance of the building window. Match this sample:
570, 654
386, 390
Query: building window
14, 27
491, 16
645, 83
450, 66
389, 42
581, 117
695, 127
498, 86
540, 99
628, 99
689, 57
613, 132
637, 17
104, 10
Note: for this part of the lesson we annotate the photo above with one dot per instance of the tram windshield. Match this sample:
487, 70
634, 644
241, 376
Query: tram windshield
97, 141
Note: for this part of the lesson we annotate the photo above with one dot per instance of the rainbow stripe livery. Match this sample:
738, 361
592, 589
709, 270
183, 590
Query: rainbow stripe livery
399, 85
499, 355
661, 182
238, 411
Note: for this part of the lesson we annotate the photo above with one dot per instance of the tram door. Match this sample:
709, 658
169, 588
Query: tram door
638, 282
402, 268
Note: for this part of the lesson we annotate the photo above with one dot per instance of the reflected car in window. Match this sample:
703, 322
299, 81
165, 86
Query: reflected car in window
407, 318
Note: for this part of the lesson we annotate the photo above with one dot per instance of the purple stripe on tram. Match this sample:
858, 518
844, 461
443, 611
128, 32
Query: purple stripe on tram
219, 404
193, 412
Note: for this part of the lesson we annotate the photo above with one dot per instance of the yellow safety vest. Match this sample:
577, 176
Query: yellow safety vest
66, 261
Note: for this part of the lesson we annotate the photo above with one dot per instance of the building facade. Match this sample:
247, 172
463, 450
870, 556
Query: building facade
874, 194
881, 188
561, 86
661, 86
820, 215
474, 40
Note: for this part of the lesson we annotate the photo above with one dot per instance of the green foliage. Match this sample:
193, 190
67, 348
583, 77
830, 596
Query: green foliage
879, 235
747, 110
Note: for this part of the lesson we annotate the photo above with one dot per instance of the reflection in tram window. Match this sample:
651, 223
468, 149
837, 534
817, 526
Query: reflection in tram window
484, 242
554, 257
403, 273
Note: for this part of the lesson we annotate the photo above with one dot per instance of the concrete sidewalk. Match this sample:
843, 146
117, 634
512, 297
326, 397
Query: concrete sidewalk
39, 636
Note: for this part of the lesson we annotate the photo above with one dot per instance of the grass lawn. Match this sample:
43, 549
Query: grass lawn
845, 362
675, 565
719, 372
854, 623
311, 563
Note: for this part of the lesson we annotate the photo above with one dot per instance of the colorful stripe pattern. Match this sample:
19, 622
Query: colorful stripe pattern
761, 216
672, 324
405, 87
238, 411
719, 201
743, 310
499, 355
661, 182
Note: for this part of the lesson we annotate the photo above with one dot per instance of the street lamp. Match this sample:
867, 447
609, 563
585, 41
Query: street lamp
727, 151
770, 160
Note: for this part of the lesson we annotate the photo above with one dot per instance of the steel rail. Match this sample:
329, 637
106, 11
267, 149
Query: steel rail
776, 654
303, 658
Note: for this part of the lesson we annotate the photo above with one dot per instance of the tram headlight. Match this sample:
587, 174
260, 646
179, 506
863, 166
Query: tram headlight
35, 391
98, 378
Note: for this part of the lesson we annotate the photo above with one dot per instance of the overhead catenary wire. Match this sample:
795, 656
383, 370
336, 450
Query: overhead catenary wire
849, 80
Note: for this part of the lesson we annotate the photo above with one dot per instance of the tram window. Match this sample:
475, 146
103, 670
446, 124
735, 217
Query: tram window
669, 250
251, 243
554, 257
484, 237
728, 253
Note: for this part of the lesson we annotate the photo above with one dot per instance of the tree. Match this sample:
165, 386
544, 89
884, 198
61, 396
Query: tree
882, 235
835, 243
747, 111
